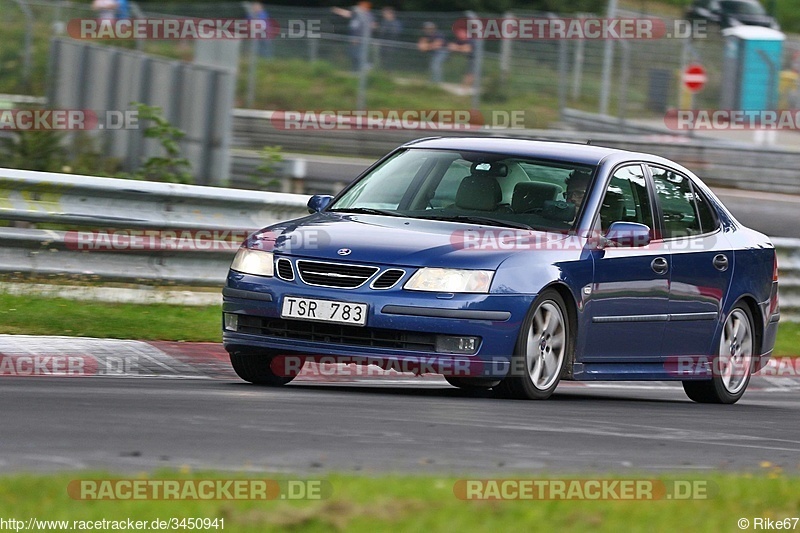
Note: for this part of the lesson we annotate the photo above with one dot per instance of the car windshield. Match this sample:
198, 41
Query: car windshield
472, 187
741, 8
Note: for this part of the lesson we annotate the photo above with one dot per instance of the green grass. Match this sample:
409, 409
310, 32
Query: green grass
788, 342
37, 315
423, 503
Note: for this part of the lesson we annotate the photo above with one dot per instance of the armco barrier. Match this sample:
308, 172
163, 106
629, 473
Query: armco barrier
91, 203
789, 277
88, 203
109, 202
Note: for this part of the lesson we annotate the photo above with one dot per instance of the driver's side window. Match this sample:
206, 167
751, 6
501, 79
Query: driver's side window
626, 199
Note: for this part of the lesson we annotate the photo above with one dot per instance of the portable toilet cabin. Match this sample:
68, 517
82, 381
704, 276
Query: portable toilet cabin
752, 67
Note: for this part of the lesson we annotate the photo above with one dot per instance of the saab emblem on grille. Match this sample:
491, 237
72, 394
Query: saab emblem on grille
344, 251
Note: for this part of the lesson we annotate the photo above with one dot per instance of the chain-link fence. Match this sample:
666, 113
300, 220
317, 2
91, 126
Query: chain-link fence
543, 76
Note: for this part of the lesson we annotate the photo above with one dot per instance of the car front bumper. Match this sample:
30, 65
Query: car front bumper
401, 331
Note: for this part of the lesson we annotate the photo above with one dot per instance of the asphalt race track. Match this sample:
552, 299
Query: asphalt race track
133, 424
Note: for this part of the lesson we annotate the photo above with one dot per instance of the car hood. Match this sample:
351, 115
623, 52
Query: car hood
399, 241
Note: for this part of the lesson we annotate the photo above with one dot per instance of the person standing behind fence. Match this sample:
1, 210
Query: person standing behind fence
434, 43
391, 30
463, 45
263, 46
123, 10
105, 9
361, 25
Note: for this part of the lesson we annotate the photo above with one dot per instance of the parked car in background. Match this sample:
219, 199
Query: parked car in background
727, 13
511, 264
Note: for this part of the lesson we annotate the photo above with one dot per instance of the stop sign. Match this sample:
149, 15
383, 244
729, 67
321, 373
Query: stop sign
694, 77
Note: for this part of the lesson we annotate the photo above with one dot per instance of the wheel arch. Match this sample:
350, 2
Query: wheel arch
571, 304
758, 320
749, 301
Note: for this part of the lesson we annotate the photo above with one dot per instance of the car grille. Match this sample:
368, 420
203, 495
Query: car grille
284, 269
337, 334
336, 275
388, 278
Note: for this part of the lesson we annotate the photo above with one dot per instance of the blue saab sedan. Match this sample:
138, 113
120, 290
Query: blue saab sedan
511, 264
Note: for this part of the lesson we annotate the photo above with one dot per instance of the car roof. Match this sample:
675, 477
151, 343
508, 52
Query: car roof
549, 150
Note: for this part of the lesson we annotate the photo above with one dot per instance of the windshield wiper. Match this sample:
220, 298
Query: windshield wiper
366, 211
473, 219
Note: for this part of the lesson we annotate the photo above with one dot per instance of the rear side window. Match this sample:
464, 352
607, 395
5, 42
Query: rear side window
685, 211
706, 213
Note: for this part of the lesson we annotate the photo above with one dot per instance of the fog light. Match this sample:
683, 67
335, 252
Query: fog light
231, 322
446, 343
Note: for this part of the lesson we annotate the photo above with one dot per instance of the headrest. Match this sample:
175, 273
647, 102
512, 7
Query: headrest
479, 192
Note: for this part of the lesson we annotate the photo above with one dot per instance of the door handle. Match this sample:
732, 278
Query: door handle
721, 262
659, 265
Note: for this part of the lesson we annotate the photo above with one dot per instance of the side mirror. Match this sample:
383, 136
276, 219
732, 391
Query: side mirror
318, 202
628, 234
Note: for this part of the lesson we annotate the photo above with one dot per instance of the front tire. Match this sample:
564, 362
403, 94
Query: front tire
544, 347
733, 366
261, 369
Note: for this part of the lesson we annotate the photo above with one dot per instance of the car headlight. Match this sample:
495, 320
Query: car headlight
256, 262
450, 280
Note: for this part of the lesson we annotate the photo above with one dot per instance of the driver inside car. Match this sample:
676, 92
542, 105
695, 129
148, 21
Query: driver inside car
577, 182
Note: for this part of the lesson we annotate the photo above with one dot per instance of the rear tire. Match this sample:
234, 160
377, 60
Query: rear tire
734, 364
260, 369
544, 347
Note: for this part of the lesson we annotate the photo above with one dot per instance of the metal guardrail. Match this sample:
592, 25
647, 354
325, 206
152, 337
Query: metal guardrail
52, 254
89, 203
110, 202
789, 277
63, 200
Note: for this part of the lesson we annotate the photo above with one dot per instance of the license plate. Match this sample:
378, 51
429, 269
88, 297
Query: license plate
324, 311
